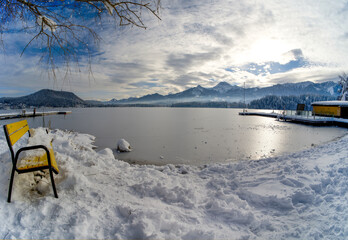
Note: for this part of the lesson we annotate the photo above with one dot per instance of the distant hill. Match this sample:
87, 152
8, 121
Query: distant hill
45, 98
230, 93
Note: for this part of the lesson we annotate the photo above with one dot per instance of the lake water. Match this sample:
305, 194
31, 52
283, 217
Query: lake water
192, 136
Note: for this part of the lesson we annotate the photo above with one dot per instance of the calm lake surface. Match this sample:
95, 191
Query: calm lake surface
192, 136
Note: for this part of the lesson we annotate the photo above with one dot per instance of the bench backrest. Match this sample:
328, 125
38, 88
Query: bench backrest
14, 131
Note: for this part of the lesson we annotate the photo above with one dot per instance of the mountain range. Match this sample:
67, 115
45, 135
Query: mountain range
222, 92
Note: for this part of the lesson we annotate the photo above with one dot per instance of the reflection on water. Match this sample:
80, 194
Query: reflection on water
189, 135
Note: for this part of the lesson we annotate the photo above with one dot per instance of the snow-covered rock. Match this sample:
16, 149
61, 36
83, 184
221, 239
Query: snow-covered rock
123, 146
43, 186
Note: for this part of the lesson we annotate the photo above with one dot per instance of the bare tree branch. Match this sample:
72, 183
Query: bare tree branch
56, 25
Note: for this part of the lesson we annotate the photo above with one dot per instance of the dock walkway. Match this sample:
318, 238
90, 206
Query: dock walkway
308, 120
5, 116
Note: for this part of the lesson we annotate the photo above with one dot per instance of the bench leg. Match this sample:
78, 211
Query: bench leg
53, 185
11, 184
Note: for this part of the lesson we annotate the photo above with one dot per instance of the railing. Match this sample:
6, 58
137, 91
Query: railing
303, 114
298, 113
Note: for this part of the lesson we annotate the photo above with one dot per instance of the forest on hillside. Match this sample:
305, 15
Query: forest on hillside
287, 102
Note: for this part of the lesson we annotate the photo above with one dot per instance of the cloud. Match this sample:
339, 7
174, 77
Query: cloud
200, 42
313, 74
147, 85
211, 31
292, 55
288, 61
183, 62
126, 72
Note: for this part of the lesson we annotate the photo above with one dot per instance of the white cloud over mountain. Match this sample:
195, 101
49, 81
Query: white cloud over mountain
205, 42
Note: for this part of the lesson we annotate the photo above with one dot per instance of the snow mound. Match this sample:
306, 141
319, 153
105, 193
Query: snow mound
302, 195
123, 146
39, 136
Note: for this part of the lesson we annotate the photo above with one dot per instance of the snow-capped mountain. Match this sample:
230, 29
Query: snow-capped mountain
195, 92
224, 91
224, 87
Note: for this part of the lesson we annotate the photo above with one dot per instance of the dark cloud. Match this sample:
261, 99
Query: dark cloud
195, 78
183, 62
345, 35
297, 53
127, 72
211, 31
186, 80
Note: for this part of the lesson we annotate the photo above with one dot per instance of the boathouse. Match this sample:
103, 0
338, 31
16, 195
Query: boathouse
337, 109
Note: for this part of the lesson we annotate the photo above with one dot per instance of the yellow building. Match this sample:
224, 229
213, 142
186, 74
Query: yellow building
331, 109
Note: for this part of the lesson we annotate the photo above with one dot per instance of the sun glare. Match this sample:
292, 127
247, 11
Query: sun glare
265, 50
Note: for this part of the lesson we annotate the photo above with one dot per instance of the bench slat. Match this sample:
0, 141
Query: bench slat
12, 127
37, 161
15, 136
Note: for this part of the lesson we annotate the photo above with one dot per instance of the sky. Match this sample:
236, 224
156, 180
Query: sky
197, 42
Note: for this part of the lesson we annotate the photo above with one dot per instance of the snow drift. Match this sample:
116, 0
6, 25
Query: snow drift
302, 195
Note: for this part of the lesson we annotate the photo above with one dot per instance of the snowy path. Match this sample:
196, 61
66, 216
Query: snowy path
302, 195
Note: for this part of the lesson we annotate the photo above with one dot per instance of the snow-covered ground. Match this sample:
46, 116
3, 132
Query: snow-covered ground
303, 195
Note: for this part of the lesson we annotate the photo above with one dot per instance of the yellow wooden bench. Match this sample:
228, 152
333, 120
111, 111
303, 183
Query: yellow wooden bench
13, 132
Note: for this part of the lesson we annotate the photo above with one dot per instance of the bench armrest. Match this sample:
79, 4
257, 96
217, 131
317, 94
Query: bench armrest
33, 148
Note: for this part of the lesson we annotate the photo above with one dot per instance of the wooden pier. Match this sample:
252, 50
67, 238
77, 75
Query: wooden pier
31, 114
307, 120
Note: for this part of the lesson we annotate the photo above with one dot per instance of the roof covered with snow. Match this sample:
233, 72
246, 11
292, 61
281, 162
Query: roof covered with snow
331, 103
